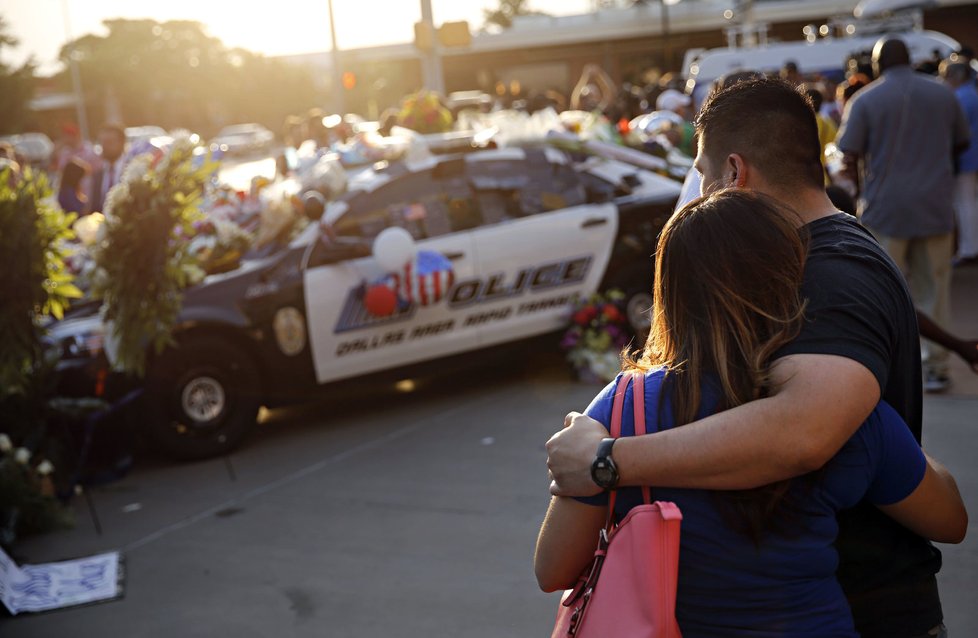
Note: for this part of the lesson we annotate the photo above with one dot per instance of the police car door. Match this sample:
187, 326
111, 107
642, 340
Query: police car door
540, 246
351, 334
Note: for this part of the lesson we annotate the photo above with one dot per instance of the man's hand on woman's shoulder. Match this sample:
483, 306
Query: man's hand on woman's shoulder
570, 453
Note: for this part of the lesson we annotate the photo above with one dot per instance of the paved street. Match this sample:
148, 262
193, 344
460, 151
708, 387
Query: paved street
386, 513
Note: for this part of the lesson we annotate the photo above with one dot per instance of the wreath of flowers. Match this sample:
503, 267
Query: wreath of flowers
144, 257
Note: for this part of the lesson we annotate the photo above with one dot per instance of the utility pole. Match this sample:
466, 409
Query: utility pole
76, 84
666, 45
432, 74
336, 84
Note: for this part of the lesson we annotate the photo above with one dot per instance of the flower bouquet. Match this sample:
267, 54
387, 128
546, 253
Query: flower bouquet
423, 112
219, 245
143, 256
596, 336
27, 496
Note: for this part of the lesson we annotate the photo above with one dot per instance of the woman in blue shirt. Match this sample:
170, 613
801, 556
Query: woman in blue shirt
757, 562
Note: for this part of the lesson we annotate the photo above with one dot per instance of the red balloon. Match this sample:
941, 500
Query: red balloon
380, 300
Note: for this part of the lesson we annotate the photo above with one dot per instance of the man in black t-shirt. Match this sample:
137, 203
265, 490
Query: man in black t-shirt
859, 345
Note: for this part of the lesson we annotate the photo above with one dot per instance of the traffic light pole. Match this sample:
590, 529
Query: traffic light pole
336, 86
433, 77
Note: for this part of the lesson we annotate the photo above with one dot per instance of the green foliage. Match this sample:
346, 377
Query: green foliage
144, 260
34, 286
502, 17
16, 88
35, 282
173, 74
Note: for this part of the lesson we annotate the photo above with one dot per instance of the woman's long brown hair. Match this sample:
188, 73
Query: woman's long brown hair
728, 271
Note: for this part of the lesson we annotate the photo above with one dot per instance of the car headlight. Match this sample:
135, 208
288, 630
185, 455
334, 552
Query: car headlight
79, 338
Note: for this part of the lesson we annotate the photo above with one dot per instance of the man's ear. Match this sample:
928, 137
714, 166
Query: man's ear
737, 169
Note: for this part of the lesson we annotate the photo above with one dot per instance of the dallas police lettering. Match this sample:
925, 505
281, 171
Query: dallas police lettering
534, 278
495, 287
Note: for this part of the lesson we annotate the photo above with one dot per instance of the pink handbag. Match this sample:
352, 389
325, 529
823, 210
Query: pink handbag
630, 587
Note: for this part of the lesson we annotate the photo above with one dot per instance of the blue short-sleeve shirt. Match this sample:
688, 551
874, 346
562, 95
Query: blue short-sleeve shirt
786, 586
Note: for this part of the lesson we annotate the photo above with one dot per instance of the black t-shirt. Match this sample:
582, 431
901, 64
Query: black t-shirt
859, 308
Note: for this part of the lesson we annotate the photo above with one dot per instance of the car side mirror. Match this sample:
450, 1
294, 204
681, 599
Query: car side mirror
331, 251
313, 205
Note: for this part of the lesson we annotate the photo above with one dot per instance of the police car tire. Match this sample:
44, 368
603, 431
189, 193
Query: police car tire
636, 283
218, 365
638, 301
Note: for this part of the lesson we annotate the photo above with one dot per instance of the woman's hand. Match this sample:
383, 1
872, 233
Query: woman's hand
570, 453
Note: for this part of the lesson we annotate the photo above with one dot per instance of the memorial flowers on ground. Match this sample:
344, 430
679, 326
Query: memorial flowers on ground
36, 286
598, 331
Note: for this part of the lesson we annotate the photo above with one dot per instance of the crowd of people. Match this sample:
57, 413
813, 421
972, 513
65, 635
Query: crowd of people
901, 158
783, 392
82, 175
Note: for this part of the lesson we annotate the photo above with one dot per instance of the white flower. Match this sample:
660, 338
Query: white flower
88, 227
5, 444
137, 168
116, 196
225, 230
45, 467
22, 455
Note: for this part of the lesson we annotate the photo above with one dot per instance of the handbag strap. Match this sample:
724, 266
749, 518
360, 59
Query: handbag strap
638, 394
638, 401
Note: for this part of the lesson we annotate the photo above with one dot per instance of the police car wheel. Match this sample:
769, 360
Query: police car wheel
638, 311
204, 398
636, 282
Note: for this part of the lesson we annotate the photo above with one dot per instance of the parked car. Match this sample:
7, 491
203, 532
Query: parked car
136, 134
35, 148
243, 138
520, 234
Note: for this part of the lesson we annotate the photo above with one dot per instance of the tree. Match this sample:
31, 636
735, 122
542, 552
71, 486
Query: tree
16, 88
502, 17
175, 75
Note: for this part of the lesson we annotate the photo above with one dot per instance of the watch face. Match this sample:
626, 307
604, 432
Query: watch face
603, 470
604, 475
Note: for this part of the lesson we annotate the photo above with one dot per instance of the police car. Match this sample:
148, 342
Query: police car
496, 246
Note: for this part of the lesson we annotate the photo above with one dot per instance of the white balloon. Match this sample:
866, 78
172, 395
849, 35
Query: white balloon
393, 248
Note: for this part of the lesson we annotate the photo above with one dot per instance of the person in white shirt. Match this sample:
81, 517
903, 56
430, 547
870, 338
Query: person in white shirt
112, 138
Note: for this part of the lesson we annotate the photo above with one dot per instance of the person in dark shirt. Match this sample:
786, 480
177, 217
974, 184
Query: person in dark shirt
858, 345
71, 195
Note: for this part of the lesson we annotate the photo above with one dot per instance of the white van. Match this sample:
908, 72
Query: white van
826, 55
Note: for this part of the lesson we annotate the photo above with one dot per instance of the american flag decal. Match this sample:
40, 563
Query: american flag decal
355, 315
424, 280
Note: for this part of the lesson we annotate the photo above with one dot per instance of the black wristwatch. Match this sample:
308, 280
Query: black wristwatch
604, 472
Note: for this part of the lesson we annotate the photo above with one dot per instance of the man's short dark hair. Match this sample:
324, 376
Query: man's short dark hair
770, 124
889, 52
815, 97
958, 72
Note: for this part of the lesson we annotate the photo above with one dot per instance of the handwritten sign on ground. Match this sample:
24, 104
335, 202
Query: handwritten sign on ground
47, 586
